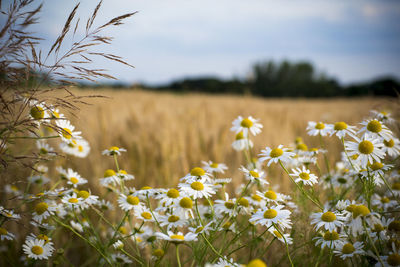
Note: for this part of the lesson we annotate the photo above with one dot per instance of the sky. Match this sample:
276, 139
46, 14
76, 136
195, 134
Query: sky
351, 41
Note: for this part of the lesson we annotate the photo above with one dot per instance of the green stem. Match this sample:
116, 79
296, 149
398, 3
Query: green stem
177, 255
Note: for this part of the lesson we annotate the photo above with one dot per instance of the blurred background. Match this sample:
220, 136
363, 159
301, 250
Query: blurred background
268, 48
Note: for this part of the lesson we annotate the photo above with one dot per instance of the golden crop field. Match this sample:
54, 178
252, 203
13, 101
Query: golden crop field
167, 134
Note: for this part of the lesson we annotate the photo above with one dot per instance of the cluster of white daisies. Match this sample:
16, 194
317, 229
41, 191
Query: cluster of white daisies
356, 220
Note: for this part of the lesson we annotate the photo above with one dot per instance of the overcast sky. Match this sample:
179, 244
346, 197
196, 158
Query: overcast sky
169, 39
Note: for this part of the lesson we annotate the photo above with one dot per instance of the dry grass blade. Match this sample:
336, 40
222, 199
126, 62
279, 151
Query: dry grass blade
57, 43
91, 19
118, 20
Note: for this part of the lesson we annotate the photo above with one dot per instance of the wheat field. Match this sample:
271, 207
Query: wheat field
167, 134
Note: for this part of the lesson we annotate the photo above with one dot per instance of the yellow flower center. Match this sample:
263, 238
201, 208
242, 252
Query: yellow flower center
80, 148
277, 234
43, 151
197, 186
197, 171
158, 253
348, 248
229, 205
319, 126
365, 147
331, 236
302, 147
3, 231
74, 180
339, 126
199, 229
328, 216
247, 123
227, 225
239, 136
393, 259
385, 200
376, 166
122, 172
350, 208
354, 157
378, 228
41, 207
132, 200
146, 215
109, 173
173, 218
389, 143
214, 165
14, 188
83, 194
37, 250
115, 148
374, 126
256, 198
37, 112
304, 176
123, 230
186, 203
256, 263
254, 174
243, 202
146, 188
173, 193
360, 210
396, 186
177, 237
66, 133
73, 200
43, 237
394, 226
270, 194
276, 152
270, 214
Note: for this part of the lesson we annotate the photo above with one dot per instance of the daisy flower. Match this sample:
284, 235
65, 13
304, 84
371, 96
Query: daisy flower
392, 147
43, 210
341, 129
105, 205
197, 173
38, 110
74, 179
396, 189
114, 150
349, 250
303, 175
73, 201
9, 214
44, 148
184, 205
319, 128
376, 129
268, 216
12, 189
169, 197
328, 220
382, 116
144, 214
66, 131
177, 237
38, 179
276, 154
40, 237
330, 239
245, 125
77, 226
257, 200
271, 196
130, 202
120, 258
212, 167
241, 143
37, 249
76, 147
222, 207
224, 262
367, 149
118, 245
6, 235
147, 191
254, 175
173, 220
197, 189
88, 199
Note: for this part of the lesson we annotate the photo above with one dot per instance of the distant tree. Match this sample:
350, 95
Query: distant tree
283, 79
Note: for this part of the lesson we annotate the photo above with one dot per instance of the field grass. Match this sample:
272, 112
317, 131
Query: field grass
168, 134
